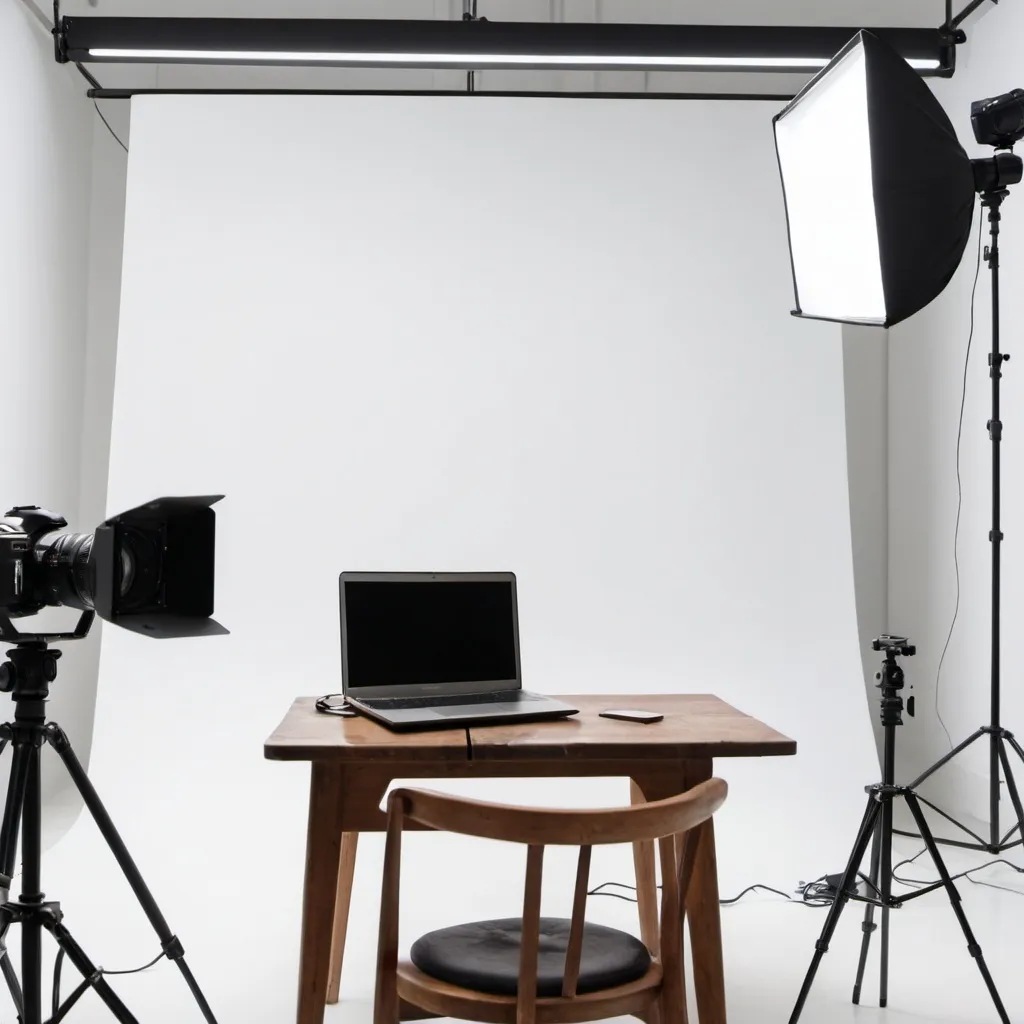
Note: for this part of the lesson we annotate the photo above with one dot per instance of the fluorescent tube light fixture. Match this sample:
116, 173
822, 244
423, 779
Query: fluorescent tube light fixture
477, 44
479, 60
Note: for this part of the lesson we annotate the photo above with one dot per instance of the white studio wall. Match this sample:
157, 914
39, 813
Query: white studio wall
926, 379
408, 332
46, 126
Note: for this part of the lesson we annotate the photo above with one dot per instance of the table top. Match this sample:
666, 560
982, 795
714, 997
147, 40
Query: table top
695, 726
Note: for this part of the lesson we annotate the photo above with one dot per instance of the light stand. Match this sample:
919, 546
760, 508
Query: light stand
993, 176
876, 827
27, 675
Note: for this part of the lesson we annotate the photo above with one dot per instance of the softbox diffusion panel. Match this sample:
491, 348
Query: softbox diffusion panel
879, 193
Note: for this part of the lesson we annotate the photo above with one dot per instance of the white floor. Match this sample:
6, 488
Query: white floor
238, 920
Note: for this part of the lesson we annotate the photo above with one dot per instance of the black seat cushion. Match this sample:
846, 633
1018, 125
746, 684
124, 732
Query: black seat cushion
484, 956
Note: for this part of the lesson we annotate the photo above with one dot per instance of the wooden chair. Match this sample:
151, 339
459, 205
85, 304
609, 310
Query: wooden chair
500, 971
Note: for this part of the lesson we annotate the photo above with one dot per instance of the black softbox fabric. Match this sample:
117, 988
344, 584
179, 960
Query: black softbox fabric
922, 182
924, 185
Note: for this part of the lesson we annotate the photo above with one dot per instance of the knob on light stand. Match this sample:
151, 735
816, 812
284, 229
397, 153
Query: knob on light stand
877, 828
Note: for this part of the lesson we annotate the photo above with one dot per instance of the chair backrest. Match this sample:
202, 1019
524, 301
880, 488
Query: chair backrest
675, 823
537, 826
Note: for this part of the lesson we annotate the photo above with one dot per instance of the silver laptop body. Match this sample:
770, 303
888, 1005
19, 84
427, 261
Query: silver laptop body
435, 650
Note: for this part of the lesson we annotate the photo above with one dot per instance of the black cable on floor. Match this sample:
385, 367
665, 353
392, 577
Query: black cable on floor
809, 894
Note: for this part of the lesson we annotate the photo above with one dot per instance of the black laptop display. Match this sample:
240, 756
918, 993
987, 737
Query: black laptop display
421, 650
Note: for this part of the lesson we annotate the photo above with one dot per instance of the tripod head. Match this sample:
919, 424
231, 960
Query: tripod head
31, 666
891, 679
893, 645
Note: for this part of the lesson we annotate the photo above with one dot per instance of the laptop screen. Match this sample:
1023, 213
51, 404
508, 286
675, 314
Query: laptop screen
398, 634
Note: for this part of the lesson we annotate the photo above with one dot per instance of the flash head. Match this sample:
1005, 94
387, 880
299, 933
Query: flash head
999, 121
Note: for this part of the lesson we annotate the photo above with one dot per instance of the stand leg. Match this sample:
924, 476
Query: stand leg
1011, 788
945, 760
31, 896
867, 829
1012, 740
12, 811
8, 857
76, 956
169, 941
885, 884
868, 925
954, 898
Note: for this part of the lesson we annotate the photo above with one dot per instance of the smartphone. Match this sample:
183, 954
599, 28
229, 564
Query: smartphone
628, 715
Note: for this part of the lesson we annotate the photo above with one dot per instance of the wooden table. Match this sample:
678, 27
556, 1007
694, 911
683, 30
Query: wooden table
354, 760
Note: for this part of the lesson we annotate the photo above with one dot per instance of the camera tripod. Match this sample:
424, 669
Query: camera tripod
877, 828
27, 674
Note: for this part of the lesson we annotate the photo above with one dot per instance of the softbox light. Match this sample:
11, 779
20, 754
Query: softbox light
879, 193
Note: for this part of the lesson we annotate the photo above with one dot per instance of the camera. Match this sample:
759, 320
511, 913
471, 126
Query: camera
149, 569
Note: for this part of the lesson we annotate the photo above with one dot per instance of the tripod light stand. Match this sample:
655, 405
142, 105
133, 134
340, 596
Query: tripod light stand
876, 828
880, 199
1005, 170
27, 675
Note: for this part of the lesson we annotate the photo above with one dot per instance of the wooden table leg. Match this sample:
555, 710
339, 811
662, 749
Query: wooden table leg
323, 855
646, 882
704, 912
702, 907
346, 871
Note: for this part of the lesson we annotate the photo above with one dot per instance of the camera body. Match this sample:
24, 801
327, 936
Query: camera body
27, 580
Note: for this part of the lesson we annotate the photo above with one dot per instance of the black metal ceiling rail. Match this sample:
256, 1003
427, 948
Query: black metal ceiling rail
94, 85
127, 94
953, 23
478, 44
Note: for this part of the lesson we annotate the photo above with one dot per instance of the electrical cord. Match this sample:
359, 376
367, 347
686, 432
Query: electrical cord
809, 894
968, 874
959, 487
325, 706
109, 129
820, 893
60, 1011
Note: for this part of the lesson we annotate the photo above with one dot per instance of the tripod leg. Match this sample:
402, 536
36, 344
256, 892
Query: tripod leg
12, 815
885, 884
76, 955
949, 757
13, 985
1011, 787
31, 892
169, 941
868, 925
954, 898
867, 828
1012, 740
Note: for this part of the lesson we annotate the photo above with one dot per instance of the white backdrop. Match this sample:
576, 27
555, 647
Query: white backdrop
434, 333
45, 124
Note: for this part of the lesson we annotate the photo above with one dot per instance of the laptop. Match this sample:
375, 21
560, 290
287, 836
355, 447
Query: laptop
435, 650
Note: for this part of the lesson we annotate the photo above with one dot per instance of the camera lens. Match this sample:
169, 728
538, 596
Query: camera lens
65, 571
139, 568
127, 570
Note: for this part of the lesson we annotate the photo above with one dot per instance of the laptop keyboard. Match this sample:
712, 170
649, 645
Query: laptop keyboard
454, 700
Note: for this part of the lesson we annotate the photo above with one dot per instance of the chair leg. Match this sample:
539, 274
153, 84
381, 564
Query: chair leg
386, 1005
346, 871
